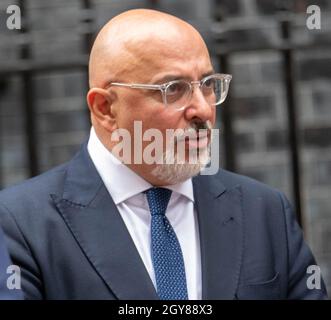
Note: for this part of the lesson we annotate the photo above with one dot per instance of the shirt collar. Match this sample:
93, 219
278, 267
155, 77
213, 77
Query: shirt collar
121, 182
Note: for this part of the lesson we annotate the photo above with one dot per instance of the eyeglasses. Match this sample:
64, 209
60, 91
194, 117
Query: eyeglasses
177, 94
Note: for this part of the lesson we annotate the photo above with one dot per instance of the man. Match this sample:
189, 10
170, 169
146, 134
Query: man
111, 224
9, 281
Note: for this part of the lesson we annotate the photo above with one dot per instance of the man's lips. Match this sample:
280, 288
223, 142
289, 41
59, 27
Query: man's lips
196, 140
199, 143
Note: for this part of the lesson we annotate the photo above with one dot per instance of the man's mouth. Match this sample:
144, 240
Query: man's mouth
196, 140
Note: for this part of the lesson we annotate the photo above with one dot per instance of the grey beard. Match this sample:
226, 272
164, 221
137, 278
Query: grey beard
174, 169
172, 172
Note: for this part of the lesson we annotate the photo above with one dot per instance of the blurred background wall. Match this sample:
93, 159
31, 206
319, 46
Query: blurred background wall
276, 123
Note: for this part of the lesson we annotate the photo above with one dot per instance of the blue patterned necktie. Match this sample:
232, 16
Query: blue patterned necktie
167, 255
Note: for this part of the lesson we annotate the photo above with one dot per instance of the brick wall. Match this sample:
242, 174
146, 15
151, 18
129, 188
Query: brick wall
257, 95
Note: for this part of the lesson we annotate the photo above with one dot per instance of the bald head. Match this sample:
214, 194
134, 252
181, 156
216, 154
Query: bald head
146, 47
136, 39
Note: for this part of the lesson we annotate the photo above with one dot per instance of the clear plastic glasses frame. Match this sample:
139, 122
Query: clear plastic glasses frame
178, 93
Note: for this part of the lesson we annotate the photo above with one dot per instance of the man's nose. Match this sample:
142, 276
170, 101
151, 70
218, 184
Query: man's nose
198, 106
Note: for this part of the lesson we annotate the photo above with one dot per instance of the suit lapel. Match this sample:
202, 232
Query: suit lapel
221, 236
97, 226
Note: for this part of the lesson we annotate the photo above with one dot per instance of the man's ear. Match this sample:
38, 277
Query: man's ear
100, 104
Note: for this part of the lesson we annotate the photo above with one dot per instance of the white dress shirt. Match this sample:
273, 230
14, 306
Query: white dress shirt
126, 189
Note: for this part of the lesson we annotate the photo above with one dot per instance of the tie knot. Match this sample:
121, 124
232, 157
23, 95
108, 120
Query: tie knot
158, 199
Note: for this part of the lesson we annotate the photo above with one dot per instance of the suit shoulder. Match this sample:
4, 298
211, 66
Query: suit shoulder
231, 179
34, 188
259, 200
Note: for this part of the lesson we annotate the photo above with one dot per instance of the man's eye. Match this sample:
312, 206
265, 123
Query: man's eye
173, 88
176, 88
209, 83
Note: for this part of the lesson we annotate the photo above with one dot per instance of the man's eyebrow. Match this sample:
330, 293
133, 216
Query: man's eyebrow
212, 71
172, 77
169, 77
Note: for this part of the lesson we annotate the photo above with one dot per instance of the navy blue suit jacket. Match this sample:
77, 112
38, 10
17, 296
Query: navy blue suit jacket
63, 229
5, 292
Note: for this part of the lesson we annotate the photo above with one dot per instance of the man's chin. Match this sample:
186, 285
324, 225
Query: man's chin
176, 173
179, 168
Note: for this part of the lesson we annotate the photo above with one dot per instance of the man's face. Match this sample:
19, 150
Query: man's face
158, 62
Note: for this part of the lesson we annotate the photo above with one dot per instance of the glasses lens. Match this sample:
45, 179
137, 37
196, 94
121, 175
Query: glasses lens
177, 93
215, 89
